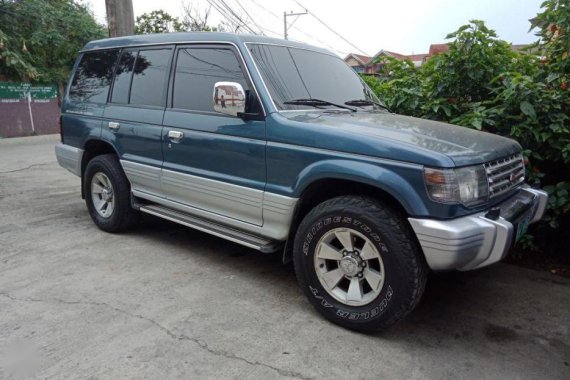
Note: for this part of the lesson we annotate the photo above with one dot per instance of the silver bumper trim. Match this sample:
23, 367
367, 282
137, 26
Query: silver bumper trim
69, 158
472, 241
542, 200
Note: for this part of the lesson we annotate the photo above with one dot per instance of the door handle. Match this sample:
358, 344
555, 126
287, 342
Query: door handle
175, 135
114, 125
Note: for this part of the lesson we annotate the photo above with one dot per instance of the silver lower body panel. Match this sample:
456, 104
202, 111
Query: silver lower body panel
476, 241
69, 157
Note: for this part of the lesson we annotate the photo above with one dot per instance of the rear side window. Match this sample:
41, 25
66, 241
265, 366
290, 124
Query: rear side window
149, 77
93, 76
197, 70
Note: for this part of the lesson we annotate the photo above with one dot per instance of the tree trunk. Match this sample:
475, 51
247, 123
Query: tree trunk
120, 17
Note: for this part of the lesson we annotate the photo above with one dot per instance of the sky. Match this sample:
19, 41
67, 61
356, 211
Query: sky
401, 26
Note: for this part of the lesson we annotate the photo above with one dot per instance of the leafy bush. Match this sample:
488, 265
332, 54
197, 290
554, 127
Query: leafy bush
482, 83
39, 39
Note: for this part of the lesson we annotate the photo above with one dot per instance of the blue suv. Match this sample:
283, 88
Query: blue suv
281, 147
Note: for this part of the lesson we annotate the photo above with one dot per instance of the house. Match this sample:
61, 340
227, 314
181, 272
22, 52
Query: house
418, 59
374, 66
437, 48
357, 61
370, 65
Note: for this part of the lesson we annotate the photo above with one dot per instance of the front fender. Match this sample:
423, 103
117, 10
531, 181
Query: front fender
402, 181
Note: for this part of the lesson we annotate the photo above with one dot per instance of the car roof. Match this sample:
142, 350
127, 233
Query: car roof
184, 37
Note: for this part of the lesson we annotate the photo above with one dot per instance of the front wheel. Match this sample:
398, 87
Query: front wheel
358, 263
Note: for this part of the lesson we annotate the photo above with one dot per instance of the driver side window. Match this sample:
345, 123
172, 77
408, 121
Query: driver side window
197, 70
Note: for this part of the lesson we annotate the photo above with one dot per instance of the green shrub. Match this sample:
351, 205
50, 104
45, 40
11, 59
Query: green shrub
482, 83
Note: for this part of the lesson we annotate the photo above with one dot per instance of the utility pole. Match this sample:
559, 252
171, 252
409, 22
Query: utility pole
285, 15
120, 17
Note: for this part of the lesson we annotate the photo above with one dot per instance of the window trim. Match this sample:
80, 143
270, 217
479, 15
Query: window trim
76, 69
219, 42
200, 44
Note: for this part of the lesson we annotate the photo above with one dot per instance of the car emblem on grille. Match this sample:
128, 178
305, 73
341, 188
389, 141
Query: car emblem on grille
512, 177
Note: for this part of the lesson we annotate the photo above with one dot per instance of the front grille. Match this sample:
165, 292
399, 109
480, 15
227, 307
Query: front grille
504, 174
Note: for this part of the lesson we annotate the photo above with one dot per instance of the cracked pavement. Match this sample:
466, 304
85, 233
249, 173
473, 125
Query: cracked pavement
164, 301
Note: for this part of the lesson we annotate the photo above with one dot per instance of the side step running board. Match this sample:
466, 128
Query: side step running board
261, 244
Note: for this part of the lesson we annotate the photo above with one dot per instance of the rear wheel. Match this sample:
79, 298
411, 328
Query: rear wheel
107, 194
358, 263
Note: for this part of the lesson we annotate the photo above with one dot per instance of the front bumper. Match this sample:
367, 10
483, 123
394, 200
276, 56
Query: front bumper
481, 239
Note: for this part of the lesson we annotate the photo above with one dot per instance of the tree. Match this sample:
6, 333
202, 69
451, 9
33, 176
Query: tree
39, 39
158, 22
195, 20
482, 83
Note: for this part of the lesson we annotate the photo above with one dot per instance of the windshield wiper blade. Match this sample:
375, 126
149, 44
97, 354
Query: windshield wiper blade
364, 102
312, 102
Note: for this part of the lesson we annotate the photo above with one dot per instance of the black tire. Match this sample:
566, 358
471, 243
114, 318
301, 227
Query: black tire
405, 270
123, 215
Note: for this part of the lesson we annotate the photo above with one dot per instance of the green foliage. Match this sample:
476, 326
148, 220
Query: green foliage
160, 21
558, 202
466, 72
482, 83
52, 33
157, 22
553, 25
403, 92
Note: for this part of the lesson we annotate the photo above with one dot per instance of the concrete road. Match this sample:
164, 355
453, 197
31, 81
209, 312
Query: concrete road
166, 302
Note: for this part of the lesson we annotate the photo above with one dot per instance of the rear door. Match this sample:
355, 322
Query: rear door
217, 162
133, 116
85, 103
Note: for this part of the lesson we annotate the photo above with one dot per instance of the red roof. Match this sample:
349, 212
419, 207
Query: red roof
438, 48
396, 55
363, 58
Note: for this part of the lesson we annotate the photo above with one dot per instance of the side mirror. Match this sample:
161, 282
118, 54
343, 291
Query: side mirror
229, 98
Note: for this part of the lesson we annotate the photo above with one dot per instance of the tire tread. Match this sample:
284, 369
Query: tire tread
126, 216
373, 209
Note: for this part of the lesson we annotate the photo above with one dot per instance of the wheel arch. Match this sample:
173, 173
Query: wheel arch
337, 178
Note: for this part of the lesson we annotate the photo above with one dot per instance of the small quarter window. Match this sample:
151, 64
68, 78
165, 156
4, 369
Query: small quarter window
120, 93
93, 76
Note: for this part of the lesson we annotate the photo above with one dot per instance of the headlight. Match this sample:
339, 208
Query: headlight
467, 185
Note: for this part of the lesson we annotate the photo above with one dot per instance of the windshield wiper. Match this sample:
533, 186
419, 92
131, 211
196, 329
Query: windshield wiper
364, 102
316, 103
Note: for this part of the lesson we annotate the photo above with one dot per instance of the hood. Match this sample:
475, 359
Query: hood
462, 145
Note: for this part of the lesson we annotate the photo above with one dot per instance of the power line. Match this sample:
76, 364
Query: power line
230, 16
331, 29
216, 7
249, 16
266, 10
261, 28
234, 14
298, 30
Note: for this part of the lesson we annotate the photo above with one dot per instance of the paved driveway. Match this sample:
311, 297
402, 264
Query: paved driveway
163, 302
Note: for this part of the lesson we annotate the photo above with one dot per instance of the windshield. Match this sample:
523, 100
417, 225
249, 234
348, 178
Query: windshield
292, 73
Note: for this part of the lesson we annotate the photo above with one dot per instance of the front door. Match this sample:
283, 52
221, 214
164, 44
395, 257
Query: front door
213, 163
